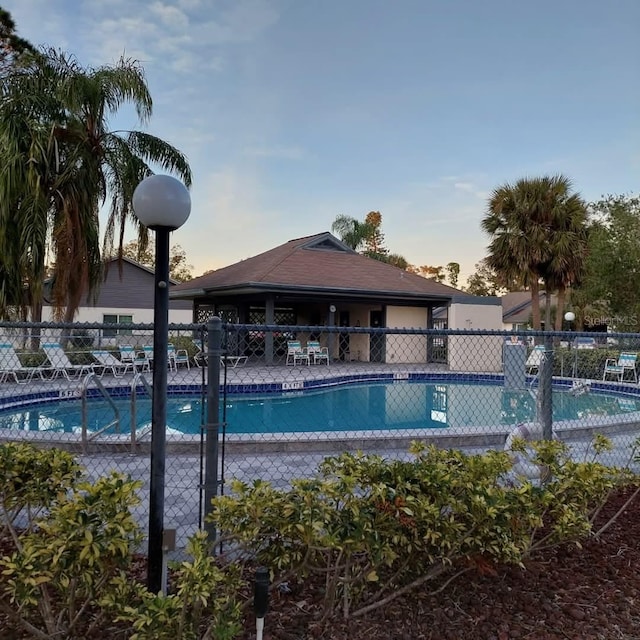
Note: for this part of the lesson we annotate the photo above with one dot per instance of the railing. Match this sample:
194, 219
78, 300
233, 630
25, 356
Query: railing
86, 437
135, 436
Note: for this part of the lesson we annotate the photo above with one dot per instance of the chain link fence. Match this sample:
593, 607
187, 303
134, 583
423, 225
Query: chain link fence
290, 395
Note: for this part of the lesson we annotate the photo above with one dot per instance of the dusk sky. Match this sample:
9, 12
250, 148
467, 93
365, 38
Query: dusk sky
292, 112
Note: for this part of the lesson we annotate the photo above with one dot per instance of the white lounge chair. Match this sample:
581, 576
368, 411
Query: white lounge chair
625, 362
11, 367
296, 354
107, 361
138, 359
534, 361
233, 361
316, 352
178, 357
200, 357
60, 363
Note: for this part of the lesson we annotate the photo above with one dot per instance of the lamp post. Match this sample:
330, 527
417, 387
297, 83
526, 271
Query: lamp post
162, 204
570, 317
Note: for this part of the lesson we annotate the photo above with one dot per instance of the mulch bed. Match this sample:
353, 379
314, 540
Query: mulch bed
568, 593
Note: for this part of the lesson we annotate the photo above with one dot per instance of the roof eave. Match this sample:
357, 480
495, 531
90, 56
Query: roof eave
256, 287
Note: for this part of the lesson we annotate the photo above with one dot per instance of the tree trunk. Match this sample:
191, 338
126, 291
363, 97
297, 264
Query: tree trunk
535, 302
36, 316
547, 310
562, 292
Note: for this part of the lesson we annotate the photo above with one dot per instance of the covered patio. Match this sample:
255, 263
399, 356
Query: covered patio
318, 281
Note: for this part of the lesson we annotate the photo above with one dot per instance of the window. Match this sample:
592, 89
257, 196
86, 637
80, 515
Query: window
109, 318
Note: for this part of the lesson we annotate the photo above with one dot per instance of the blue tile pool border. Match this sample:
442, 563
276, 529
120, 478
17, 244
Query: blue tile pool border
55, 396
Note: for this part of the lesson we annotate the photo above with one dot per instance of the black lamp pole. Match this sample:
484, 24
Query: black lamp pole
159, 410
161, 203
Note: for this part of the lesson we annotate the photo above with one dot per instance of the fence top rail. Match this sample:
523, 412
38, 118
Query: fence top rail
230, 327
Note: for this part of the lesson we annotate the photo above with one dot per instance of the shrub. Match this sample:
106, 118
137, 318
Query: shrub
378, 528
70, 567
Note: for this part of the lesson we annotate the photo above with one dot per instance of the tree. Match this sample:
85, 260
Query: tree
485, 281
531, 224
179, 269
13, 48
374, 242
351, 231
368, 237
453, 273
62, 162
610, 285
431, 273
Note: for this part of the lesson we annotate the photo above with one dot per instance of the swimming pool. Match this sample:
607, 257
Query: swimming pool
408, 406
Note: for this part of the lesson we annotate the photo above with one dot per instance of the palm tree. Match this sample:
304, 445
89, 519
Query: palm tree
567, 254
351, 231
532, 224
62, 163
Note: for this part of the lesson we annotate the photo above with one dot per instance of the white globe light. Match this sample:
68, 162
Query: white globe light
161, 201
569, 316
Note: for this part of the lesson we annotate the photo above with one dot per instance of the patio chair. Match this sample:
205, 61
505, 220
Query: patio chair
138, 359
60, 363
316, 352
625, 362
177, 357
535, 359
107, 361
200, 357
233, 361
11, 367
296, 354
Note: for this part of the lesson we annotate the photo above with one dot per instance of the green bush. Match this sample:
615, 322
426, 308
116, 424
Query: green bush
70, 568
376, 528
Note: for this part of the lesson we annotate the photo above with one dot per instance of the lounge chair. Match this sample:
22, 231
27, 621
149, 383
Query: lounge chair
625, 362
200, 357
233, 361
534, 361
317, 353
107, 361
11, 367
296, 354
60, 363
138, 359
178, 357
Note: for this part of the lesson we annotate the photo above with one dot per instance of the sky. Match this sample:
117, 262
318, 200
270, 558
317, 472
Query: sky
292, 112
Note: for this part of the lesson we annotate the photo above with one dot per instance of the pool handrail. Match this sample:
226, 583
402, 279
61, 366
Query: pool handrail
86, 438
134, 394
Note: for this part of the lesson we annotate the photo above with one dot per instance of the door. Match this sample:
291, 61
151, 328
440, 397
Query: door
376, 340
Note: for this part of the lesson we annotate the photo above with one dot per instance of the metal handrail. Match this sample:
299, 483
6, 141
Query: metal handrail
86, 437
135, 437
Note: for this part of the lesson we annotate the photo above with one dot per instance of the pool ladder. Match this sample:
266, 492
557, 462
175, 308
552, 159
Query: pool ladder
86, 436
135, 436
92, 380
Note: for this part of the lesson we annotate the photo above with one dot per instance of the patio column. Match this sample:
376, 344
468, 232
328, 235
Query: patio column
429, 338
269, 318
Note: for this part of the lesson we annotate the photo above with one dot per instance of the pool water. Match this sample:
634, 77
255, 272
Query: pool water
362, 407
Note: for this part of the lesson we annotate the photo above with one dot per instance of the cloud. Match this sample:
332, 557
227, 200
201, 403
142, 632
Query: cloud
171, 17
286, 153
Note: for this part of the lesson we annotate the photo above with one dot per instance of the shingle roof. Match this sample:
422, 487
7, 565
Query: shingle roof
320, 262
516, 305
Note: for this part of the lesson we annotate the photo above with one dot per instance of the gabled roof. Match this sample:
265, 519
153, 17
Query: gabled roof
319, 263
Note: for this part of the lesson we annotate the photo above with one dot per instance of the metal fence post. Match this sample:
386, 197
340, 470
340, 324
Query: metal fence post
546, 386
212, 427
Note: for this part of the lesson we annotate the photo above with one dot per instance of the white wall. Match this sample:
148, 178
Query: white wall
140, 316
475, 353
406, 348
